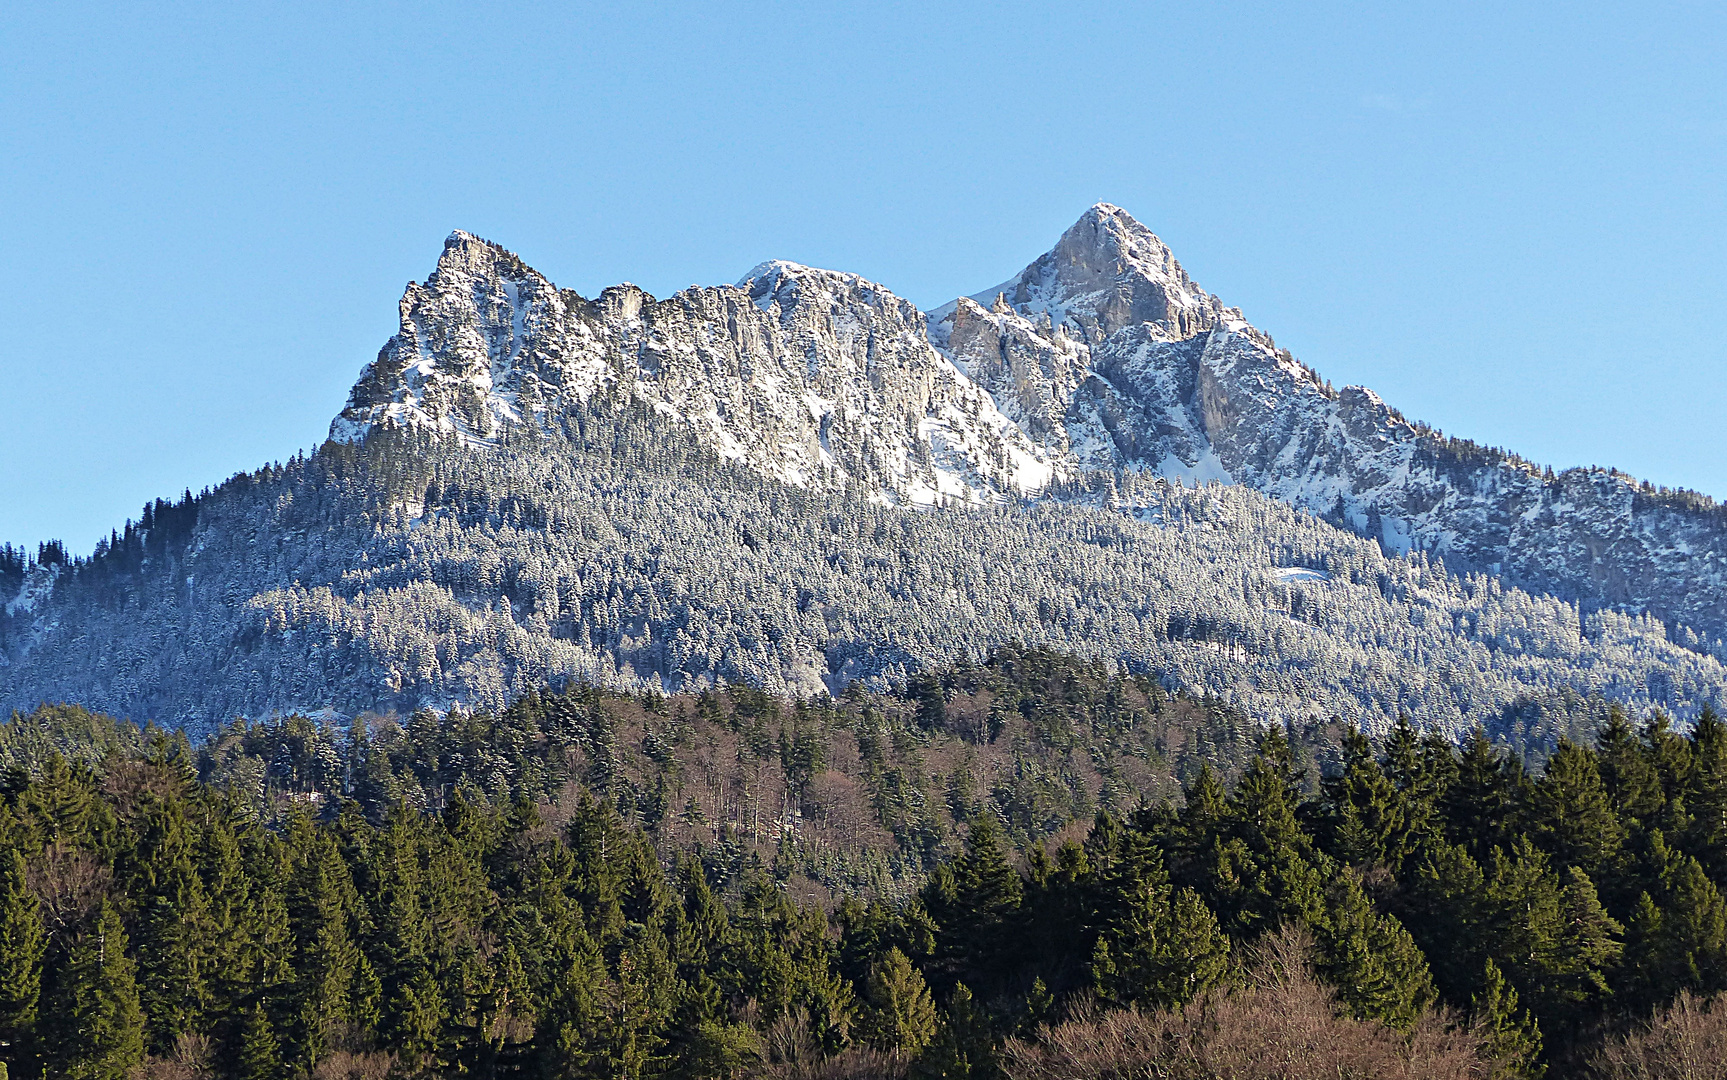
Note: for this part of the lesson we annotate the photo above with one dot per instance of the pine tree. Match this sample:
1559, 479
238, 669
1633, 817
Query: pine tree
21, 948
98, 1027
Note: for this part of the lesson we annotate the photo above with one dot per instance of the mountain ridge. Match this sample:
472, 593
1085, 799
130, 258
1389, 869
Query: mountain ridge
1102, 354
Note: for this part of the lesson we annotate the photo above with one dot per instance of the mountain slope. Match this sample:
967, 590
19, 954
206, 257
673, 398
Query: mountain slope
1146, 370
1101, 354
416, 571
527, 486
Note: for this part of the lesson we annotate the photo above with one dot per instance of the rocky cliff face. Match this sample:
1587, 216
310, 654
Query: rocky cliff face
810, 376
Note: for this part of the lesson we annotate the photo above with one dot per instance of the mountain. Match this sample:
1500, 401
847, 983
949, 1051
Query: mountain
1107, 345
805, 375
1102, 354
801, 480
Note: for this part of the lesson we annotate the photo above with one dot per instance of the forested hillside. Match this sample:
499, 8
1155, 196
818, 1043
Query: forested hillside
582, 886
414, 572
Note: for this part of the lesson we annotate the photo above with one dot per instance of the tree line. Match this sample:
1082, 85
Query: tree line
152, 920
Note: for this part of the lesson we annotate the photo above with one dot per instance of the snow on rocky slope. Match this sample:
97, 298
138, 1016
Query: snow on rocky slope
1102, 354
808, 375
1155, 373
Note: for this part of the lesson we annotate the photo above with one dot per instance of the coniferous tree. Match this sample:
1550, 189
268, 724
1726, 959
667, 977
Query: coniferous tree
1262, 871
1706, 835
1482, 805
1571, 813
1379, 971
21, 947
1511, 1035
1447, 909
898, 1012
326, 959
1368, 820
1676, 936
259, 1056
964, 1045
175, 936
1633, 786
97, 1026
1162, 947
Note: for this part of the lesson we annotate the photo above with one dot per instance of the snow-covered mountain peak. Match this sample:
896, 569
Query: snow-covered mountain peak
1108, 272
810, 375
789, 285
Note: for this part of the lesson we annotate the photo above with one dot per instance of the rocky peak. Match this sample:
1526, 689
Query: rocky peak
1106, 273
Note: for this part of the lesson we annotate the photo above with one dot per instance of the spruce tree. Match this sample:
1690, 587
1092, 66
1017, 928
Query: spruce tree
60, 802
259, 1056
21, 947
898, 1011
1706, 795
1510, 1035
1633, 786
175, 934
1571, 813
1445, 907
1482, 805
1555, 941
964, 1045
1262, 869
1374, 963
1160, 948
1676, 937
326, 958
97, 1028
1366, 819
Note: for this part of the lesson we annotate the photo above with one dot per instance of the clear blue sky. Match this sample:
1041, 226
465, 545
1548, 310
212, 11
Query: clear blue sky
1511, 221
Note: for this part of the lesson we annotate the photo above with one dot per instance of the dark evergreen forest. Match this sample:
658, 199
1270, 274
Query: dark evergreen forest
1032, 867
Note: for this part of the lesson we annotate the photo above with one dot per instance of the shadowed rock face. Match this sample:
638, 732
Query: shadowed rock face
1101, 354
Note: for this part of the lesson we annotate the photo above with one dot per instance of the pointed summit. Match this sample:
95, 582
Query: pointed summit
1108, 272
468, 256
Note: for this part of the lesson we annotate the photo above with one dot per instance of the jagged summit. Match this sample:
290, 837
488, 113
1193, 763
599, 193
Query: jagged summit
1107, 272
810, 375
